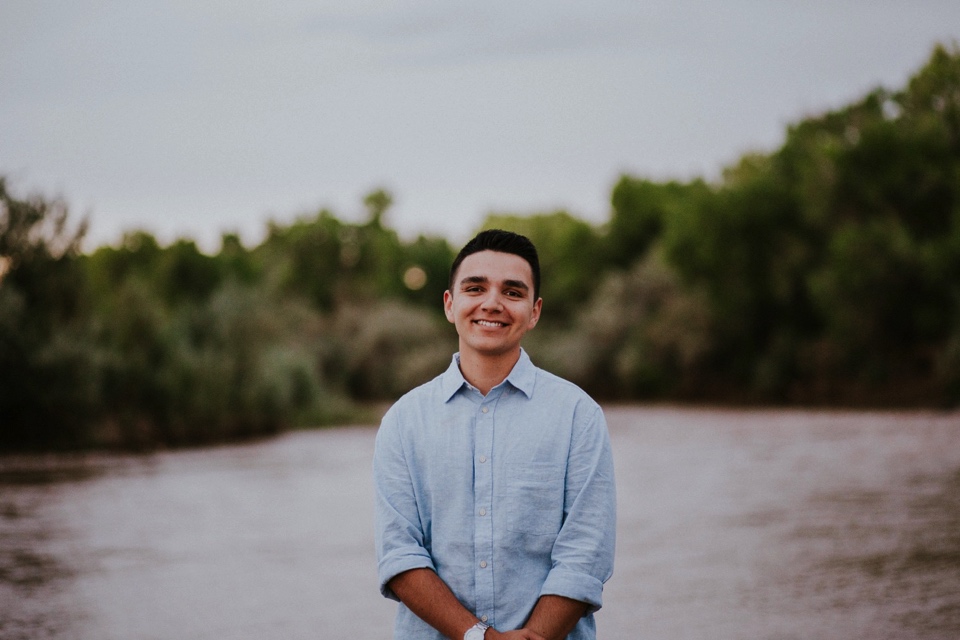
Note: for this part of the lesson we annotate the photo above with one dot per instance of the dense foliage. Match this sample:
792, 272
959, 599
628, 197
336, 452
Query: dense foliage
827, 271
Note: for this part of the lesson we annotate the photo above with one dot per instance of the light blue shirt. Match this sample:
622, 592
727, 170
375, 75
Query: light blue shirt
506, 497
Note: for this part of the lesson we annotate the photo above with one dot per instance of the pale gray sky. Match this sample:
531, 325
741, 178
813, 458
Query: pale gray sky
194, 118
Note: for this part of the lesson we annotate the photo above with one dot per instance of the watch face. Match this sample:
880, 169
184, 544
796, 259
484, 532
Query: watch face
474, 633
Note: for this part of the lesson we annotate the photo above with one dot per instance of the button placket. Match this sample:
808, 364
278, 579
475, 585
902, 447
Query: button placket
483, 498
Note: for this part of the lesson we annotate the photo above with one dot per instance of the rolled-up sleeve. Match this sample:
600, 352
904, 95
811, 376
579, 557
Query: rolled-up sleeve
398, 532
582, 557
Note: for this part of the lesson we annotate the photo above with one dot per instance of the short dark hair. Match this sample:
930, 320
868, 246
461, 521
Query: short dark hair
504, 242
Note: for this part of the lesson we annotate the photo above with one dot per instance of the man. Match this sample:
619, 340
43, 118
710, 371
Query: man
495, 504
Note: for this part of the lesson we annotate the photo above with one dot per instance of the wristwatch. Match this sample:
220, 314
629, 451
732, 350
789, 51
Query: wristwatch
476, 632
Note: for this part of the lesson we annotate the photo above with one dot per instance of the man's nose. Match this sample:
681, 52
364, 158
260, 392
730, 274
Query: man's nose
492, 301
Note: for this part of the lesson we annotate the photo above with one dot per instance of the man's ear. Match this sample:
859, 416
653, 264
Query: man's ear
537, 307
448, 305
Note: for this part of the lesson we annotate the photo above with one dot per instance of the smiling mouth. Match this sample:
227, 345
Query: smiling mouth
490, 323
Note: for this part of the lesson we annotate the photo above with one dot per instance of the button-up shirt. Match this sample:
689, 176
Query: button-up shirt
507, 497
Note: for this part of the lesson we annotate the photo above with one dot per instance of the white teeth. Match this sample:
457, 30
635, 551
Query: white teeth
487, 323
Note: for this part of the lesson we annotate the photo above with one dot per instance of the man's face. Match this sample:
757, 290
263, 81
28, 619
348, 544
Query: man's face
491, 303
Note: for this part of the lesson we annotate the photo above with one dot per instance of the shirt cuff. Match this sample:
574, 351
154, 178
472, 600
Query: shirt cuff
391, 567
576, 586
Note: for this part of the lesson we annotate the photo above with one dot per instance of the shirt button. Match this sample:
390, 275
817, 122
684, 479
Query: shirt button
483, 564
485, 409
483, 459
483, 512
483, 618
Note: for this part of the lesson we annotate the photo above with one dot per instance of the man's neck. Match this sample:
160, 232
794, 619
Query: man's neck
487, 371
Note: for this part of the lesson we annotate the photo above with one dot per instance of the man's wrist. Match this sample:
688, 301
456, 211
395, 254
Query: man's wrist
476, 632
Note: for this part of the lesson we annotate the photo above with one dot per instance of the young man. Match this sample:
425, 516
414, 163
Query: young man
495, 503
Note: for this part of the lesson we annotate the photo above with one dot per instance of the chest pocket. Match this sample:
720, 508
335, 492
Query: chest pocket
532, 497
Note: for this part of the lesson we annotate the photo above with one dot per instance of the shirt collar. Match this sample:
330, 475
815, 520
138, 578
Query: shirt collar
522, 377
524, 374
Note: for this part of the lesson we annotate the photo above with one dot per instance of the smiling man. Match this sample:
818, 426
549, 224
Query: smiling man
495, 500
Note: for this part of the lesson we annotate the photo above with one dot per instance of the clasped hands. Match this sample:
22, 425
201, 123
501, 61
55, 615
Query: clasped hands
519, 634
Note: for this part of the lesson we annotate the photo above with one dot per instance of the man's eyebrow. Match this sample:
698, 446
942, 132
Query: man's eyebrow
474, 280
516, 284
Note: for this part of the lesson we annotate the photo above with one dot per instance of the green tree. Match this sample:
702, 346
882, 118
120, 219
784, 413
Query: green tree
307, 258
377, 203
642, 334
425, 271
640, 211
47, 392
137, 257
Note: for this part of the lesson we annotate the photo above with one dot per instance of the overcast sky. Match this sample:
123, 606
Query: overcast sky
195, 118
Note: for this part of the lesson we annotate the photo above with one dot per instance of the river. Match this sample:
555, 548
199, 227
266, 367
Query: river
733, 524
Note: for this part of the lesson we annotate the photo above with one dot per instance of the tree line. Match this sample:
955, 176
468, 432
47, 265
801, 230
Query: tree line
824, 272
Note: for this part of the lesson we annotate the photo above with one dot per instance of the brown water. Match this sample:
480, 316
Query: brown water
733, 524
